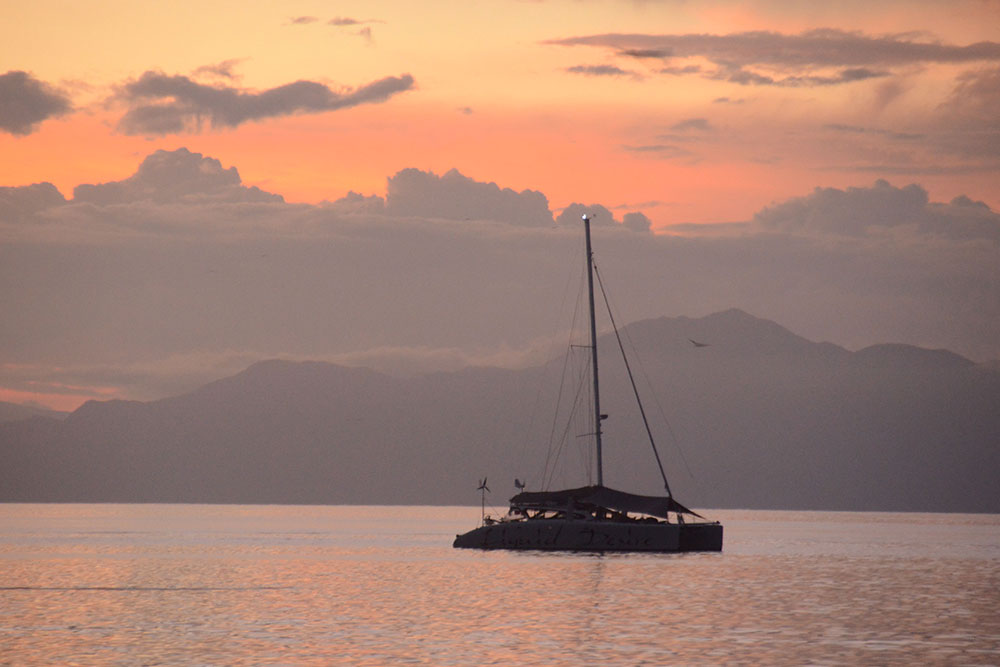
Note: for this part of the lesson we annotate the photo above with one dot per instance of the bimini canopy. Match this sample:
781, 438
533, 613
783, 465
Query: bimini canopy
601, 496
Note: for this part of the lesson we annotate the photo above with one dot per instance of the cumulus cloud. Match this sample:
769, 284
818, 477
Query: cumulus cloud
26, 101
599, 215
882, 208
416, 193
178, 176
355, 202
823, 57
637, 221
18, 202
162, 104
361, 277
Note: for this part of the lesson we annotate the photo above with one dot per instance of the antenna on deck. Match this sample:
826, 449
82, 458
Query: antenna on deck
484, 490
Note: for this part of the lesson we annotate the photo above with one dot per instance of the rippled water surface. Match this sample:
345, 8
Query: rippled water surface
197, 584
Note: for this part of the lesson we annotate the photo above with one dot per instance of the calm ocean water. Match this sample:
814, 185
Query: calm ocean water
267, 585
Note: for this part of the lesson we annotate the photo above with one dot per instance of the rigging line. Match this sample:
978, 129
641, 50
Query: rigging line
586, 452
552, 430
562, 383
659, 405
631, 379
550, 473
543, 375
670, 428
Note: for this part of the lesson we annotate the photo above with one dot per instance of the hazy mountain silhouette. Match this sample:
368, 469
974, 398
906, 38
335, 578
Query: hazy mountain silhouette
10, 412
758, 417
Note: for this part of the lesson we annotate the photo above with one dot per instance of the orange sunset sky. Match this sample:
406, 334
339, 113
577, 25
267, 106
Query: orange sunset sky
610, 101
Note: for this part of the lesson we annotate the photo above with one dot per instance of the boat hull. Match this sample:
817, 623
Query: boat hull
579, 535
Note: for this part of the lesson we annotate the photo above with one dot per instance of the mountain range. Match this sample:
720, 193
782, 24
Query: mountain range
745, 413
10, 412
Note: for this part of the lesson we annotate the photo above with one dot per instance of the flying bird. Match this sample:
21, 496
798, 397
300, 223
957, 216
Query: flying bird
697, 344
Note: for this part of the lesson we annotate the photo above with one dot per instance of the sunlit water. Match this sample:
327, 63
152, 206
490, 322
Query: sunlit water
221, 585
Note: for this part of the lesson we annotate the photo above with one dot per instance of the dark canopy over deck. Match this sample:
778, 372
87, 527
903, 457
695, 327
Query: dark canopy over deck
601, 496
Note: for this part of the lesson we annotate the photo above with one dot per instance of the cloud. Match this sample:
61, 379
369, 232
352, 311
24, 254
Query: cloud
880, 209
598, 70
666, 151
761, 57
346, 21
302, 20
415, 193
178, 176
977, 94
697, 124
820, 47
687, 69
162, 104
968, 123
645, 53
25, 102
747, 78
365, 29
599, 215
355, 202
637, 221
223, 69
19, 202
175, 275
856, 129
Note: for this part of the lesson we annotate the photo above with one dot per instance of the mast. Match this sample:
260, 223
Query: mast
598, 417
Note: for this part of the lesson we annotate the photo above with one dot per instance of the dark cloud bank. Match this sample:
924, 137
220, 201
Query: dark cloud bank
181, 273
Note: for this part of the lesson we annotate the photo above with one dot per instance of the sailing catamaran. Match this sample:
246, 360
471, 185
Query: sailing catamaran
596, 517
